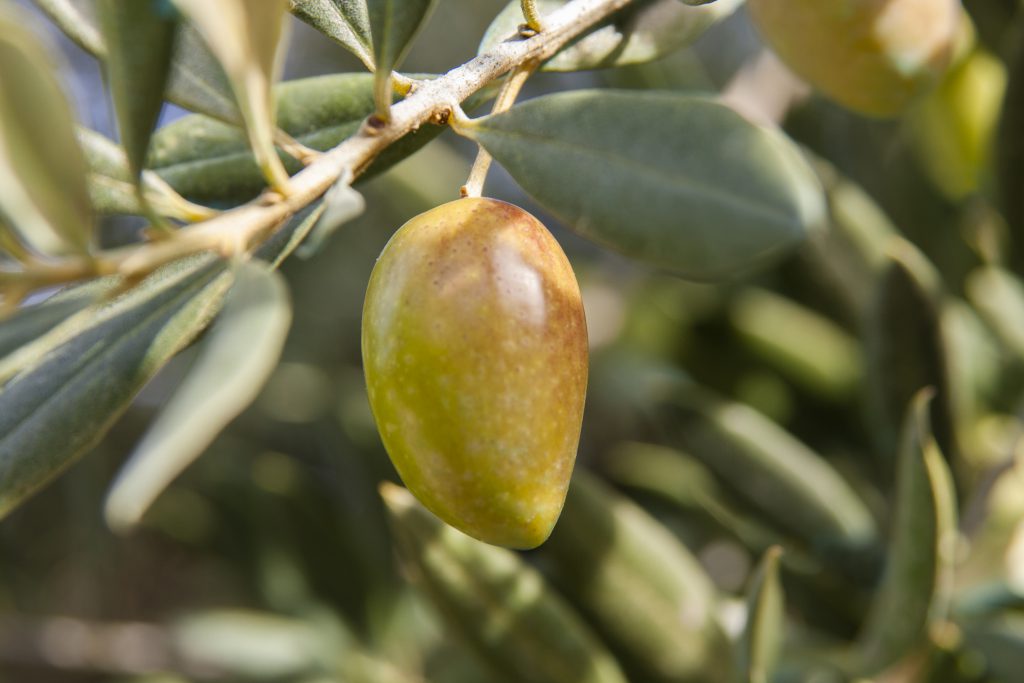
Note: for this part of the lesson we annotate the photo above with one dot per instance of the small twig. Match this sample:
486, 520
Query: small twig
474, 186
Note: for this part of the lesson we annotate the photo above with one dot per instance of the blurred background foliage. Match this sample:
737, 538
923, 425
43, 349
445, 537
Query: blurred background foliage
271, 558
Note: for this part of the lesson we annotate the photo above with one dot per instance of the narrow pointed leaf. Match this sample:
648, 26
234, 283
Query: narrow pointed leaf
761, 639
679, 182
42, 171
32, 322
998, 296
640, 33
773, 471
500, 605
393, 25
139, 37
245, 36
235, 360
645, 592
803, 345
58, 408
112, 190
907, 351
916, 588
197, 81
78, 20
346, 22
341, 204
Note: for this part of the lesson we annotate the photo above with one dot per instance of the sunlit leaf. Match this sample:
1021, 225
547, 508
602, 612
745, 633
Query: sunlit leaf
761, 640
58, 408
916, 588
42, 171
139, 38
676, 181
78, 20
245, 35
640, 33
346, 22
235, 360
341, 204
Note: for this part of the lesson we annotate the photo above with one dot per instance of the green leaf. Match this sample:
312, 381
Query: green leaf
78, 20
917, 585
640, 33
677, 181
42, 170
346, 22
773, 471
393, 25
803, 345
998, 296
112, 190
208, 161
341, 205
245, 36
235, 360
907, 351
633, 579
32, 322
59, 407
139, 38
761, 639
197, 81
499, 604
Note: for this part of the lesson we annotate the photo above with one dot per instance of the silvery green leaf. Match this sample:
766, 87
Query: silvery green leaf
235, 360
42, 171
393, 25
676, 181
245, 36
346, 22
761, 640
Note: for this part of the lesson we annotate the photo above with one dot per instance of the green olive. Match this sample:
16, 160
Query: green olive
871, 56
475, 355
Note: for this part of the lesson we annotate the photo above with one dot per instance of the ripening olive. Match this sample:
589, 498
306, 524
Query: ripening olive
871, 56
475, 355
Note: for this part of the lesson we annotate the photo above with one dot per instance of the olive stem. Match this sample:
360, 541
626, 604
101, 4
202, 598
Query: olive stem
531, 14
254, 222
510, 90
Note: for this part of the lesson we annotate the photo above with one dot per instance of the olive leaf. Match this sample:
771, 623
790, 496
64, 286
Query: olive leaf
676, 181
32, 322
55, 410
78, 20
773, 471
393, 25
346, 22
245, 35
761, 640
633, 579
499, 604
72, 384
42, 171
803, 345
112, 190
998, 296
197, 81
235, 360
917, 585
642, 32
907, 351
139, 38
341, 204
